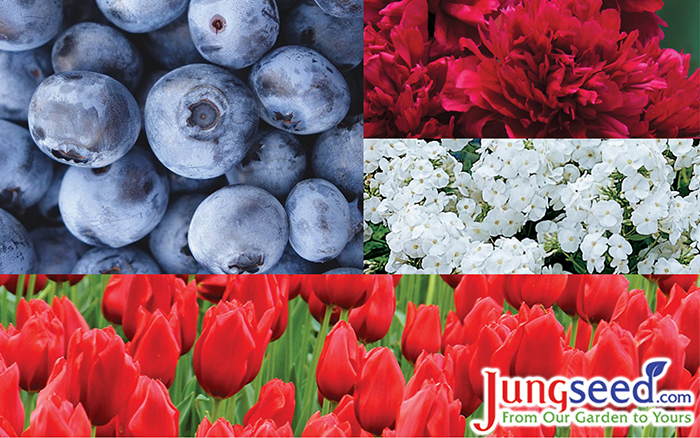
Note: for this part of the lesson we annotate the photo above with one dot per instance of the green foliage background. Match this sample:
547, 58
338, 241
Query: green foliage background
682, 32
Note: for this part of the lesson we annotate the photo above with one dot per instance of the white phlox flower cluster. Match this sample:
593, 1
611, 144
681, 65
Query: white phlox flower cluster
531, 206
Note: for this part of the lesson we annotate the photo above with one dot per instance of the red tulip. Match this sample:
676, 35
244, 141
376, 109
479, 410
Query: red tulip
598, 295
686, 317
659, 337
379, 390
396, 278
149, 411
114, 299
534, 289
614, 353
431, 412
34, 348
266, 292
372, 320
58, 417
11, 407
318, 309
156, 345
276, 403
345, 412
691, 384
490, 339
11, 282
583, 335
496, 285
326, 426
70, 317
264, 428
339, 362
344, 291
430, 367
211, 287
666, 282
6, 429
631, 310
461, 356
220, 428
452, 280
468, 291
466, 331
534, 348
71, 279
423, 331
668, 305
230, 350
569, 296
97, 373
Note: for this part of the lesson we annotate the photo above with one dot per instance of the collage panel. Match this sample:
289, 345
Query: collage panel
370, 355
542, 206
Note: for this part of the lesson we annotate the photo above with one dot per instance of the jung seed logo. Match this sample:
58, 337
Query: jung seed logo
562, 401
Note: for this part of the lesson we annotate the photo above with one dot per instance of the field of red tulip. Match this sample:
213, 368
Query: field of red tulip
360, 355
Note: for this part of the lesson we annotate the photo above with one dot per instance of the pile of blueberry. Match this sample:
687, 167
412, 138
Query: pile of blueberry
180, 136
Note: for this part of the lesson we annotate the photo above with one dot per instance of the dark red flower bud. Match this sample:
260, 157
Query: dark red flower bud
211, 287
71, 279
534, 289
344, 291
379, 390
423, 331
372, 320
598, 295
339, 362
452, 280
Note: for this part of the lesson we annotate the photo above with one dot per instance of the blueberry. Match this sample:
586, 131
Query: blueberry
48, 204
180, 184
233, 33
129, 260
344, 271
238, 229
21, 73
26, 172
341, 8
353, 253
321, 222
291, 263
338, 39
200, 120
299, 90
171, 46
114, 205
276, 162
57, 251
168, 241
337, 157
84, 119
141, 16
28, 24
99, 48
17, 254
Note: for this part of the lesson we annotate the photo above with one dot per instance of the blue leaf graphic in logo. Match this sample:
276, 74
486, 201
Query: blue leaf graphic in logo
654, 369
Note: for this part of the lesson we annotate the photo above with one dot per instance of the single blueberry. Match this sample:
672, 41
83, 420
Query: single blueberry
338, 39
200, 120
168, 241
291, 263
48, 204
238, 229
17, 254
233, 33
337, 157
21, 73
276, 163
299, 90
129, 260
171, 46
341, 8
84, 119
353, 253
321, 222
26, 172
28, 24
57, 251
141, 16
114, 205
99, 48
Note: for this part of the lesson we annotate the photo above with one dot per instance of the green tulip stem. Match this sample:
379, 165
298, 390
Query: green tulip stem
20, 286
30, 287
230, 408
608, 432
574, 332
93, 430
432, 285
216, 410
344, 314
310, 388
593, 329
29, 405
3, 306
